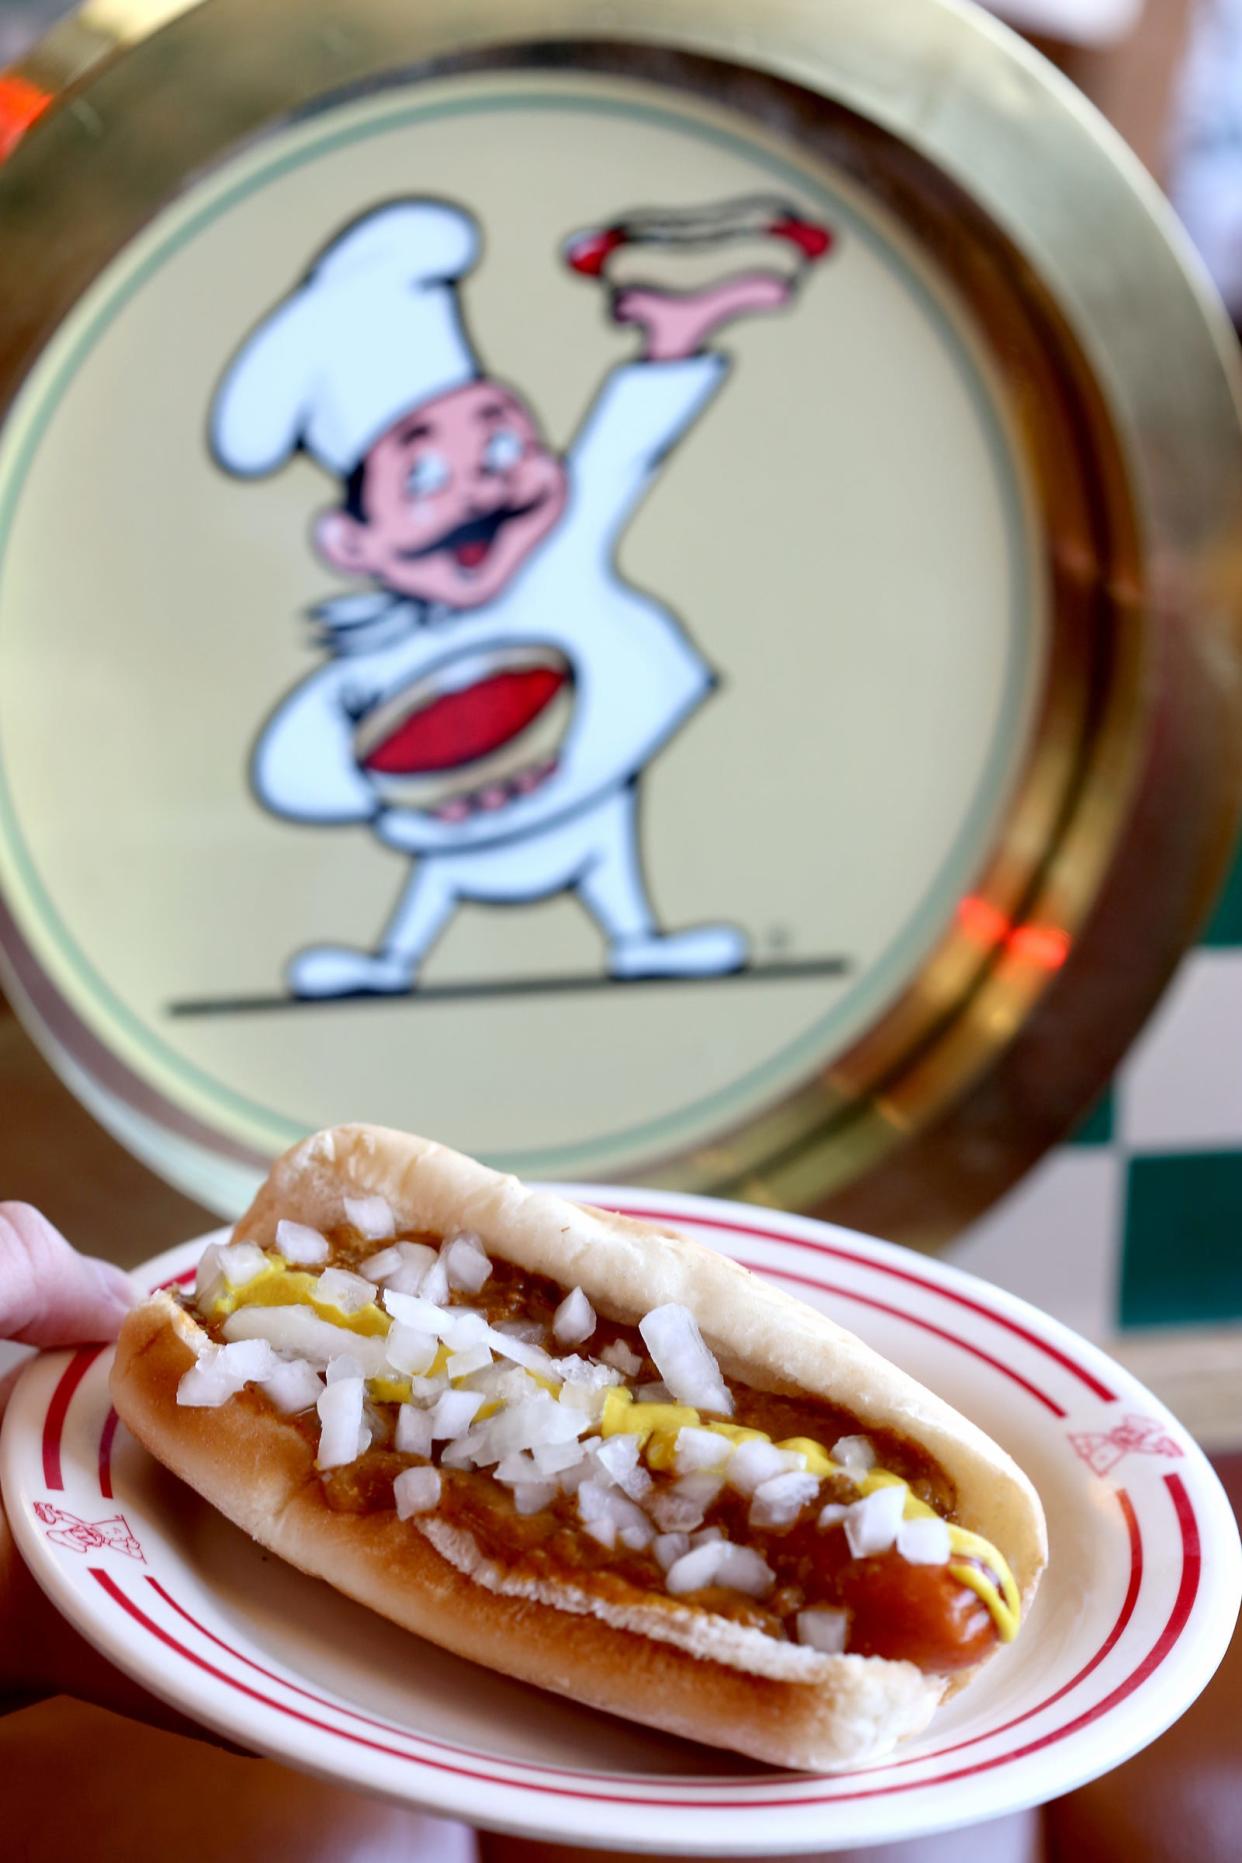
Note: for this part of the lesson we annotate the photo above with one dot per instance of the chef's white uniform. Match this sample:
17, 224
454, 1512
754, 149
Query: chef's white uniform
636, 678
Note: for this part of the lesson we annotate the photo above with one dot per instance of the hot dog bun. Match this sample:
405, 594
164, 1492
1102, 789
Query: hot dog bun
694, 1674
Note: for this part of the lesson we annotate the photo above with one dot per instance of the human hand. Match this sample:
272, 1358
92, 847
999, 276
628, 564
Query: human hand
50, 1295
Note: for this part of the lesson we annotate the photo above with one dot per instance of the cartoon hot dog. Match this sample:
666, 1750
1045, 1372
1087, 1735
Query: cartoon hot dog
586, 1452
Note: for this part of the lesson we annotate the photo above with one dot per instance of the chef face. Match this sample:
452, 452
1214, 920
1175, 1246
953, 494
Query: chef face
451, 501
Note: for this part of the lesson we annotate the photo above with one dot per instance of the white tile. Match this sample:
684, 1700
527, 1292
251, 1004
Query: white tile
1055, 1240
1181, 1088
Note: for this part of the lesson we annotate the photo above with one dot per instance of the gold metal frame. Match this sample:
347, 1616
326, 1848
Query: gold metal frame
1119, 368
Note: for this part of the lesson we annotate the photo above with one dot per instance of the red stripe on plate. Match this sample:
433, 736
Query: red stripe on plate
913, 1319
105, 1454
57, 1410
881, 1267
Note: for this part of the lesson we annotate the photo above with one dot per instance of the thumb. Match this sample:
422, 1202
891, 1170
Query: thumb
51, 1295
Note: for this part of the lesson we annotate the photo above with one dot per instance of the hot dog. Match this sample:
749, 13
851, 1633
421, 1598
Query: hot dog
585, 1451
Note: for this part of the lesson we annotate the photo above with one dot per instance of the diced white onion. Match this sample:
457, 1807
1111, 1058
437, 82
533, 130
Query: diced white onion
657, 1392
718, 1562
528, 1356
345, 1365
574, 1319
529, 1330
519, 1466
416, 1491
855, 1455
581, 1397
832, 1514
241, 1262
208, 1384
413, 1431
706, 1535
871, 1524
779, 1502
752, 1463
622, 1358
588, 1372
466, 1265
474, 1358
458, 1454
532, 1421
743, 1569
379, 1267
220, 1372
531, 1496
463, 1327
434, 1285
292, 1386
570, 1479
605, 1513
426, 1390
371, 1217
680, 1507
300, 1244
553, 1458
410, 1350
696, 1449
824, 1628
248, 1359
340, 1415
924, 1541
669, 1548
417, 1259
348, 1293
297, 1330
454, 1412
209, 1272
413, 1310
683, 1358
617, 1457
695, 1569
597, 1516
632, 1524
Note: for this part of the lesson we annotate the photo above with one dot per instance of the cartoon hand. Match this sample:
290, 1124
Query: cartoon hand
678, 324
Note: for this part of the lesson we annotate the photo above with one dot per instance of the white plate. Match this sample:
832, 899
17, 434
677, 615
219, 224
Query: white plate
1134, 1614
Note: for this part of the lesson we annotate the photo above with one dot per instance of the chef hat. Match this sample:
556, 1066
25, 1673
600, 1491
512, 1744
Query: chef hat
373, 330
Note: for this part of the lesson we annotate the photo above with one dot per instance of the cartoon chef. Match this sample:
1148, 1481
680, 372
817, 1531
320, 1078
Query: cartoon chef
489, 705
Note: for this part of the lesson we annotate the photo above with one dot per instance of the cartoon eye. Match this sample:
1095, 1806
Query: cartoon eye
428, 474
503, 450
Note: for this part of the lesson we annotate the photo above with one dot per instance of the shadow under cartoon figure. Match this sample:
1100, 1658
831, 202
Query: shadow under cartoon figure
489, 705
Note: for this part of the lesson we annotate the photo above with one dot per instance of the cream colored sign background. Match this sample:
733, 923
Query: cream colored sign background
835, 534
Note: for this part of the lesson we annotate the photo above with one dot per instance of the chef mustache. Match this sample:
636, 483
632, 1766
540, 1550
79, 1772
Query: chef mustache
480, 531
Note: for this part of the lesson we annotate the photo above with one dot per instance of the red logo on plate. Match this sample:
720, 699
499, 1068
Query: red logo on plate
1133, 1435
85, 1536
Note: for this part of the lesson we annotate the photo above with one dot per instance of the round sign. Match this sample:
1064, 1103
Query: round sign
585, 599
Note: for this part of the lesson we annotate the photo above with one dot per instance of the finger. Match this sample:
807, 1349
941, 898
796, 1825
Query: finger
51, 1295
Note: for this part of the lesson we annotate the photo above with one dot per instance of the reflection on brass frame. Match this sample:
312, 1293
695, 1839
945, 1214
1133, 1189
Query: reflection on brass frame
1119, 373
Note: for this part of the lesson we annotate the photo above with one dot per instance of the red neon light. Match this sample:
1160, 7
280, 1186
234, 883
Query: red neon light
21, 103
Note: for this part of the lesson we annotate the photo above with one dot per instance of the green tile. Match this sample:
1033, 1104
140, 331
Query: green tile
1097, 1127
1225, 926
1182, 1246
